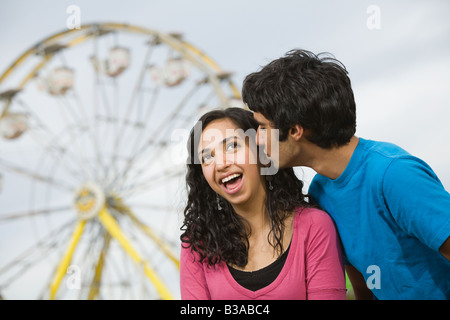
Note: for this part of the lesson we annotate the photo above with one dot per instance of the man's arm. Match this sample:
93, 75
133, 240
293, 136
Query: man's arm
358, 284
418, 202
445, 249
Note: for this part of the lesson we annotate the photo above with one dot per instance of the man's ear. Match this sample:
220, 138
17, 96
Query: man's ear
296, 132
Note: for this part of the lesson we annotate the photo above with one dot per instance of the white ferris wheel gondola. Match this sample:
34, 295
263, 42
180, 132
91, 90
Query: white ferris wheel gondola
117, 62
13, 125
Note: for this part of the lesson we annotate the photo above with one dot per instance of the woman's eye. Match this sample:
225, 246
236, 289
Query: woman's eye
231, 146
207, 158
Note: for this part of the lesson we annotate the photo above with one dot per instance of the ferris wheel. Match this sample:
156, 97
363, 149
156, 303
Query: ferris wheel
91, 173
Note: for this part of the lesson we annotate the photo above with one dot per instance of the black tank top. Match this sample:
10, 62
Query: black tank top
255, 280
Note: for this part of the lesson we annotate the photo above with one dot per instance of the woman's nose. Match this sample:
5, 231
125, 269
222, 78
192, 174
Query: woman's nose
223, 160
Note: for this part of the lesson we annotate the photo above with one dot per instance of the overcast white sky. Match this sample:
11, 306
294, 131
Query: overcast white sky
400, 72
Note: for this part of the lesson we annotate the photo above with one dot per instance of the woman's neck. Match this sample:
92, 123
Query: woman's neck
261, 250
254, 212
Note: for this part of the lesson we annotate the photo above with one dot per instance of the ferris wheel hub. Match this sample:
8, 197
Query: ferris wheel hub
89, 200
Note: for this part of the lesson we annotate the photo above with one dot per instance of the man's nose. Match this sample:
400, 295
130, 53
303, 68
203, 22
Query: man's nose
260, 137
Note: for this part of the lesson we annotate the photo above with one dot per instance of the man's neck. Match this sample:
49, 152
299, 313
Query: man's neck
331, 163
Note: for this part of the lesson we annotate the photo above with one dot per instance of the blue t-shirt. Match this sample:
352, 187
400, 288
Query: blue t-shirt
392, 214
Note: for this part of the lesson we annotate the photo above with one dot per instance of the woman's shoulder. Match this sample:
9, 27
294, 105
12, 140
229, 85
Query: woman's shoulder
313, 217
188, 254
315, 228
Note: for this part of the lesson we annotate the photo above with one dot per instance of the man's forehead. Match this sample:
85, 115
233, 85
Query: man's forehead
260, 118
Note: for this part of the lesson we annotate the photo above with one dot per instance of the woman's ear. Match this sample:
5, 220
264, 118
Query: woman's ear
296, 132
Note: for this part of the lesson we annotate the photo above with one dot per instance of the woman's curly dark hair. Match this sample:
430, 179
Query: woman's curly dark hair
219, 234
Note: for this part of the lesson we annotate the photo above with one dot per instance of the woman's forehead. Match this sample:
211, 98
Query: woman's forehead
219, 131
221, 125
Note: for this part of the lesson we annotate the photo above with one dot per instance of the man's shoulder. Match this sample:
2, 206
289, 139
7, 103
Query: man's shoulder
372, 158
382, 149
394, 160
371, 151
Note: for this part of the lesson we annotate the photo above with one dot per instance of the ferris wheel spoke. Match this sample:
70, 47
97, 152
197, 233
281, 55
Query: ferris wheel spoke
158, 147
154, 207
65, 261
84, 162
145, 119
60, 154
100, 99
115, 231
110, 131
163, 123
160, 242
167, 136
35, 176
94, 287
49, 141
32, 255
153, 181
90, 253
86, 254
94, 139
137, 91
152, 103
6, 217
107, 104
122, 177
72, 112
119, 206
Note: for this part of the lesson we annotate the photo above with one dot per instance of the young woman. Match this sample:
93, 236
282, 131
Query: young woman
249, 236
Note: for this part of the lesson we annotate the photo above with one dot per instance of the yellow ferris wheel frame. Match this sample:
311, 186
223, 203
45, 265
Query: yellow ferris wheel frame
46, 50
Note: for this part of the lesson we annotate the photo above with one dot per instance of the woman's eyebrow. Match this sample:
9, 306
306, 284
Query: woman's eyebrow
224, 141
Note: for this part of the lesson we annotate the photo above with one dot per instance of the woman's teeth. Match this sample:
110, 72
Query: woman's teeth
230, 177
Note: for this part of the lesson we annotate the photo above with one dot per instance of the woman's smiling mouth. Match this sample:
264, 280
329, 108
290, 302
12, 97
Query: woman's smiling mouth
232, 183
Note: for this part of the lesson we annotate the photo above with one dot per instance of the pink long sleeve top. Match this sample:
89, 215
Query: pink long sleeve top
314, 268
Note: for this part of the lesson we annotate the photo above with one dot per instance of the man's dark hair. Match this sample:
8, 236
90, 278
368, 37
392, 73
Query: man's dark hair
303, 88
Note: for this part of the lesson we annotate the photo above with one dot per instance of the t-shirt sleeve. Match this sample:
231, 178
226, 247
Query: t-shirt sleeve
417, 201
317, 194
193, 284
325, 278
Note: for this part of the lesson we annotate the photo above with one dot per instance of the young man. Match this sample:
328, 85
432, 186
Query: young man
391, 210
